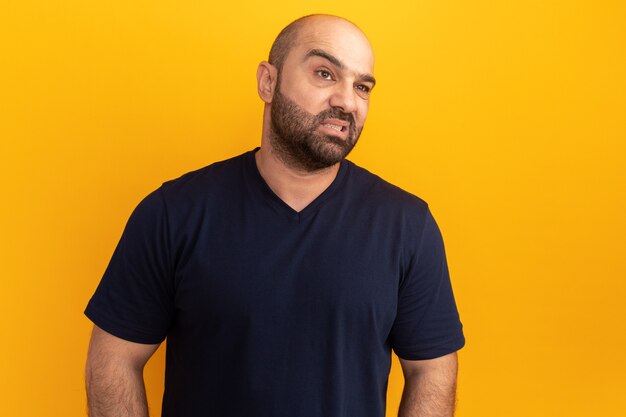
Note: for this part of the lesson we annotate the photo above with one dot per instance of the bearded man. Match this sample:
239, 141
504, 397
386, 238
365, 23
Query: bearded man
282, 278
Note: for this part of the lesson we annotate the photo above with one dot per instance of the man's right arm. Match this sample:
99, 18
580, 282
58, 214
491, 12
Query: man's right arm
114, 376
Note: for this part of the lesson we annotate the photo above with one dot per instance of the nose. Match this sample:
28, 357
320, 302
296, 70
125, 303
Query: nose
344, 97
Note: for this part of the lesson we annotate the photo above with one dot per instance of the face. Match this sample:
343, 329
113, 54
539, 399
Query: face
322, 96
305, 140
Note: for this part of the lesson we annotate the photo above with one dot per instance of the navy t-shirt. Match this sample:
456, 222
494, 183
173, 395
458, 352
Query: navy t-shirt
272, 312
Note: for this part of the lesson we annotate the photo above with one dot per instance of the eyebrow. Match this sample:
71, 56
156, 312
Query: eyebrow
333, 60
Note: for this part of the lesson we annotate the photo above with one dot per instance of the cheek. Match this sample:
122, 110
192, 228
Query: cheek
315, 102
362, 113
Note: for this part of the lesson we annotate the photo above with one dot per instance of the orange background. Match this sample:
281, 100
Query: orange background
507, 117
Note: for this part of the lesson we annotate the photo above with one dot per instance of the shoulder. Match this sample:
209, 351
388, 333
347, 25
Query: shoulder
194, 192
394, 214
221, 174
375, 190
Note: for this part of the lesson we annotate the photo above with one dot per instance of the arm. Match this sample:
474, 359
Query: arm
114, 376
429, 387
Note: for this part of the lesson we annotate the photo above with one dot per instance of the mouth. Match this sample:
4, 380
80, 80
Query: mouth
336, 125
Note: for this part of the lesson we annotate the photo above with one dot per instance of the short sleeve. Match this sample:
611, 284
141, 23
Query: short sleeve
135, 297
427, 323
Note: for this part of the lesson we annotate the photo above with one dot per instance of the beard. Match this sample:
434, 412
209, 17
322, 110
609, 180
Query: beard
295, 137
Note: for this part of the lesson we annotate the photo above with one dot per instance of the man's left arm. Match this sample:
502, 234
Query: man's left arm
429, 387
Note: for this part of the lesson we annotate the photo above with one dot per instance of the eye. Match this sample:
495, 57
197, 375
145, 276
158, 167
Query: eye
324, 74
363, 90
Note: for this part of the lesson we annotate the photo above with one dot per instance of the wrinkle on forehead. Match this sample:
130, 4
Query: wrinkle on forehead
338, 36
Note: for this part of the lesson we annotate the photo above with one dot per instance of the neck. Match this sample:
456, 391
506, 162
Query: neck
295, 187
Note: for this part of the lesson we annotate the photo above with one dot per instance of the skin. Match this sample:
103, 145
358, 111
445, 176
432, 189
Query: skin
114, 376
429, 387
314, 92
334, 79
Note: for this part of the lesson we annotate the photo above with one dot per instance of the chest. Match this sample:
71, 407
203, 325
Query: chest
321, 272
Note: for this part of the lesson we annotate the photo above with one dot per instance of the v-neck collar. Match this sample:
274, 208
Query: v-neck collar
262, 190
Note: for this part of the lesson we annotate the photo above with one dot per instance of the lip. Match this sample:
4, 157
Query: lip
343, 133
337, 122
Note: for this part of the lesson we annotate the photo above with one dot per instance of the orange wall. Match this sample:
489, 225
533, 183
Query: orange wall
507, 117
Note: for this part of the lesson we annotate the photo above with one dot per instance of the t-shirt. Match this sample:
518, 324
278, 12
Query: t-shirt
272, 312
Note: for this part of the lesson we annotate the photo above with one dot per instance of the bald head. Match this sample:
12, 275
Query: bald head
293, 33
316, 88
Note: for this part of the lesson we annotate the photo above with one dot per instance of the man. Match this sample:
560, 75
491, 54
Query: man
282, 278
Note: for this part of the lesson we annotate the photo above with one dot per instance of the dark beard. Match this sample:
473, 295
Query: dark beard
295, 137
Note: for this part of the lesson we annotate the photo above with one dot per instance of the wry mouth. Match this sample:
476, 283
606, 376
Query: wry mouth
336, 127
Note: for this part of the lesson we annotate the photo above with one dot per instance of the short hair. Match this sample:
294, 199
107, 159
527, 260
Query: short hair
284, 42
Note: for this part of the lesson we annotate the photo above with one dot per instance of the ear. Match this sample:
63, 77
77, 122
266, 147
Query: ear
266, 76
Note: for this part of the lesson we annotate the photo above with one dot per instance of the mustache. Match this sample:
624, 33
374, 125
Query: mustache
334, 113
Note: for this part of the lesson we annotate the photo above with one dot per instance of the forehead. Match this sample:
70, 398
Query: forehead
339, 38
